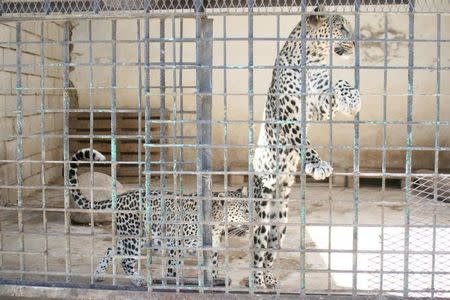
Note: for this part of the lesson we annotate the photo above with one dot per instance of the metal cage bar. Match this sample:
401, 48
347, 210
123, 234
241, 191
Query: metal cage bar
408, 159
19, 147
356, 155
66, 106
303, 154
204, 135
148, 202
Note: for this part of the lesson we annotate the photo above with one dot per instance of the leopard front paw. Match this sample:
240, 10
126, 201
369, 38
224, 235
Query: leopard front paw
270, 281
347, 98
319, 170
138, 281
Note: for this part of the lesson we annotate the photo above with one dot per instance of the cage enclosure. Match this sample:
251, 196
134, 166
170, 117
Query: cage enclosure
198, 120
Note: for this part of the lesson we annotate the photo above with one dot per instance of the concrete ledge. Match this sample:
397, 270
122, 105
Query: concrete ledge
13, 291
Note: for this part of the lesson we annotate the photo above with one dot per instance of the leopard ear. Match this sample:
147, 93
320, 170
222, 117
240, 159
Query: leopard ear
244, 191
316, 18
221, 195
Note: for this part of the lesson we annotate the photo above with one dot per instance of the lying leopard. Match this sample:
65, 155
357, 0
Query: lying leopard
178, 208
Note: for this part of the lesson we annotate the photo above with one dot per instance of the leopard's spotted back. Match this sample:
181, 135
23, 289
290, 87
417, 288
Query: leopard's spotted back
180, 218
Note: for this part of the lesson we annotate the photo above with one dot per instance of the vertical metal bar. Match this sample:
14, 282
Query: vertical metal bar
251, 124
162, 97
43, 148
180, 79
91, 141
1, 248
383, 154
303, 68
139, 157
19, 145
278, 128
436, 145
162, 134
330, 179
204, 138
225, 150
356, 157
66, 107
113, 139
148, 138
409, 141
181, 124
175, 116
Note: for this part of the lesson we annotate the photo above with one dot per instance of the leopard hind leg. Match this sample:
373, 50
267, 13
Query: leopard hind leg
103, 265
130, 247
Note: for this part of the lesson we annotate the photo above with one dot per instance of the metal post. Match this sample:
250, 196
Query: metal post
91, 137
43, 149
303, 69
409, 142
436, 145
384, 154
148, 138
356, 157
66, 106
113, 138
204, 30
162, 132
251, 149
19, 144
139, 104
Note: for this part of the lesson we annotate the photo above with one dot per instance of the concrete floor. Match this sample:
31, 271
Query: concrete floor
329, 216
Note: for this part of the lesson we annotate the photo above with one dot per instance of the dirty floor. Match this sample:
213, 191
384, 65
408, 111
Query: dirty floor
330, 216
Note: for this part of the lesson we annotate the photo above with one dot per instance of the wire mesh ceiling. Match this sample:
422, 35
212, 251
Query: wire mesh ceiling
170, 7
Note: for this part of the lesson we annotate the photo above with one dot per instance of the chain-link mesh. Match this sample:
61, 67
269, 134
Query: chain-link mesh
428, 244
134, 7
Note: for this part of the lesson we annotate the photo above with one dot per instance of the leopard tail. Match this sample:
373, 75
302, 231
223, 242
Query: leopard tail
77, 196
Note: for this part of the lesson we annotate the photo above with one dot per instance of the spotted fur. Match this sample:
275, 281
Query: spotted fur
130, 217
279, 155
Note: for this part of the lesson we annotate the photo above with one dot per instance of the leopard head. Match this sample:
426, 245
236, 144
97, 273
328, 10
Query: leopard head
333, 26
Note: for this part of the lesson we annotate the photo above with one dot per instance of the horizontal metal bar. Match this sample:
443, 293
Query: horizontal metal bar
30, 289
186, 14
72, 291
238, 268
223, 146
212, 94
231, 248
227, 67
361, 174
371, 201
214, 39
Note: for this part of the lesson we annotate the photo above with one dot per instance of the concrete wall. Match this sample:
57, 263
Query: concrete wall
31, 76
371, 83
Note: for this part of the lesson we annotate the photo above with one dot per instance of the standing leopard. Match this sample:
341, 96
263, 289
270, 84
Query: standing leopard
277, 156
130, 218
